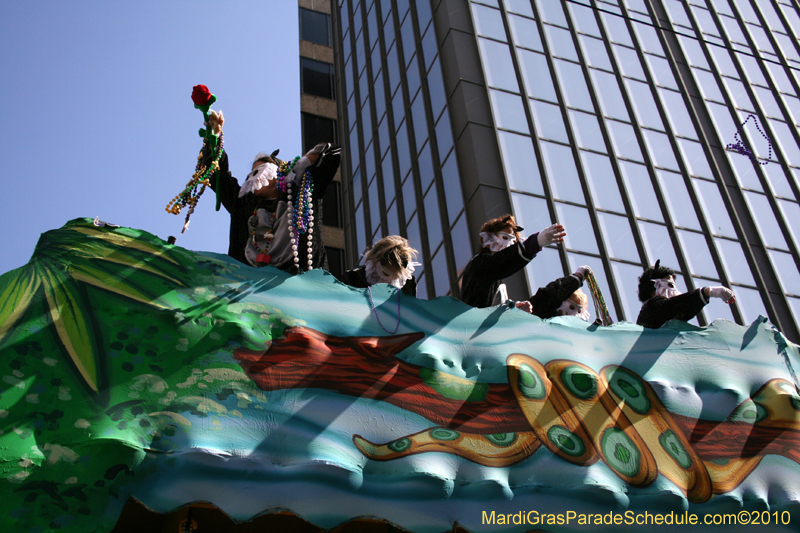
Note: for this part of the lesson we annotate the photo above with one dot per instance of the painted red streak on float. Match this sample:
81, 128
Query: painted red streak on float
367, 367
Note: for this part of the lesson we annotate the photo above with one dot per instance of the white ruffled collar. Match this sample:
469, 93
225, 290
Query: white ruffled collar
259, 177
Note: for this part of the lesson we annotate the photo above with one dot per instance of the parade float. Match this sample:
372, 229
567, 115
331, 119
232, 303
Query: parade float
137, 371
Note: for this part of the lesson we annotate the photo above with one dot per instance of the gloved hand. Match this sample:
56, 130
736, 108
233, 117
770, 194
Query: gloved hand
552, 234
525, 306
723, 293
583, 271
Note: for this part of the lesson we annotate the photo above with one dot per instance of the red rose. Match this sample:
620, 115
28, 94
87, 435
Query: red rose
201, 95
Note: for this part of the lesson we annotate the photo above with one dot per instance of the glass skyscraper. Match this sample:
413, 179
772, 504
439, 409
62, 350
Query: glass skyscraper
609, 117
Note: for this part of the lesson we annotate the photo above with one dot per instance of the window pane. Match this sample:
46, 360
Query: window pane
660, 149
548, 120
436, 89
640, 191
644, 105
425, 164
661, 71
602, 182
595, 52
374, 206
574, 85
738, 94
648, 39
545, 268
624, 139
791, 154
452, 189
531, 213
587, 131
444, 136
791, 214
488, 22
441, 281
459, 236
750, 304
609, 95
584, 20
675, 108
714, 208
700, 261
787, 271
536, 74
695, 158
432, 218
616, 29
734, 261
523, 7
628, 62
618, 236
678, 199
317, 78
314, 27
552, 12
525, 33
657, 244
508, 111
765, 220
316, 130
580, 234
626, 276
498, 66
560, 41
744, 171
694, 53
418, 118
519, 159
361, 239
562, 173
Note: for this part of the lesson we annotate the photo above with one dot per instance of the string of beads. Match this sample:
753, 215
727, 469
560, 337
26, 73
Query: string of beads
190, 194
300, 213
740, 147
599, 303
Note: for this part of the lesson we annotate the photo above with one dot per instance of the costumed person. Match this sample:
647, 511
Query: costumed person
562, 297
664, 302
390, 260
273, 211
503, 254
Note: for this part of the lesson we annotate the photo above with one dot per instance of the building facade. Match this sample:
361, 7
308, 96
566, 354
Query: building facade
609, 117
319, 114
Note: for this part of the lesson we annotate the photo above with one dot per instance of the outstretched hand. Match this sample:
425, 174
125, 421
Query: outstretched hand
552, 234
723, 293
525, 306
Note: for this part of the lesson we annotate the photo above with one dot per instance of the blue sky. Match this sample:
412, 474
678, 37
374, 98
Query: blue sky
97, 118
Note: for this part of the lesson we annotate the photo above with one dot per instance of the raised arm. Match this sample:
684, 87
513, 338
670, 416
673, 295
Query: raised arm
228, 185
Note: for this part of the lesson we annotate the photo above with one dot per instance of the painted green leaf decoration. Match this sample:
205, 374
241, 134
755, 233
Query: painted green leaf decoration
15, 298
73, 327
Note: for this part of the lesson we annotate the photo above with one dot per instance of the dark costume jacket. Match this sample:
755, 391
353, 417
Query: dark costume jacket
358, 278
241, 209
485, 271
658, 310
549, 298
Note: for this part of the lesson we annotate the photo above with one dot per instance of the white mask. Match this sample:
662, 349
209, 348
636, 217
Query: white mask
666, 287
259, 177
377, 273
498, 241
570, 308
